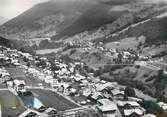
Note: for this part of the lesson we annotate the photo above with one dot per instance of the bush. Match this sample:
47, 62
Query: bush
72, 51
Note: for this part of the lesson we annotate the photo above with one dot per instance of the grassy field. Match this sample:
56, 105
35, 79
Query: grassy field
131, 42
52, 99
11, 105
7, 99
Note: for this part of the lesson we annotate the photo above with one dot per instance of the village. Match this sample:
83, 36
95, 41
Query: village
69, 92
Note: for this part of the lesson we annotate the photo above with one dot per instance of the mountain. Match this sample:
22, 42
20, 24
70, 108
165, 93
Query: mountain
154, 29
59, 18
3, 20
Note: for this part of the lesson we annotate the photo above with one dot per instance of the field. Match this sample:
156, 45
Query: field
46, 51
11, 105
131, 42
52, 99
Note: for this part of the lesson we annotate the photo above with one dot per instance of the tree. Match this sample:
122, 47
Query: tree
151, 107
28, 64
130, 92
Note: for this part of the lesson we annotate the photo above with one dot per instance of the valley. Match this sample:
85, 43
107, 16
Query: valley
90, 58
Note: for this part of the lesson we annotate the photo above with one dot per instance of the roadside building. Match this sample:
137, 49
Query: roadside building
51, 112
19, 85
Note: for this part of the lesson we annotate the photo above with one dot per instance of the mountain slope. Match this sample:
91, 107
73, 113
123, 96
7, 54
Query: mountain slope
52, 18
153, 29
3, 20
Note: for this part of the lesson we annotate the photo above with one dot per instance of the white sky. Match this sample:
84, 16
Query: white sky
12, 8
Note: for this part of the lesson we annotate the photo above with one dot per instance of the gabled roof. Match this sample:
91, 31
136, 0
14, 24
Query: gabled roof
96, 95
19, 82
107, 108
28, 111
132, 103
163, 105
117, 92
105, 101
129, 112
50, 109
100, 87
106, 105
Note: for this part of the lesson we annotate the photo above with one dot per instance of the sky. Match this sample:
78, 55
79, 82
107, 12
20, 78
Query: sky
11, 8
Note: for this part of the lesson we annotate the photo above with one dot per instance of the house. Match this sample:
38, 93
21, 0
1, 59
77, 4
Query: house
32, 113
86, 92
19, 85
79, 77
102, 86
127, 104
51, 111
130, 109
133, 113
163, 106
4, 75
55, 83
107, 108
117, 94
49, 79
95, 96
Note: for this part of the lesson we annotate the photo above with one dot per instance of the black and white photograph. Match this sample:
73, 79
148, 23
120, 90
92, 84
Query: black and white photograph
83, 58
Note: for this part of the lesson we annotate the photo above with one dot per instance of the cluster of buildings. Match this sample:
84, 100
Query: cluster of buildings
48, 112
107, 98
4, 75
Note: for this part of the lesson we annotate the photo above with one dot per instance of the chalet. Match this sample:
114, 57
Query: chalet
32, 113
107, 108
4, 75
19, 85
117, 94
79, 77
51, 111
55, 83
49, 79
101, 86
133, 113
128, 104
163, 106
95, 96
86, 92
